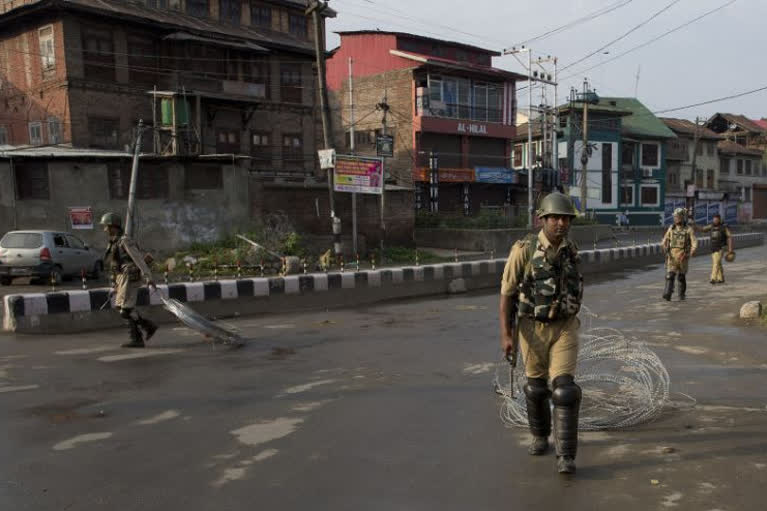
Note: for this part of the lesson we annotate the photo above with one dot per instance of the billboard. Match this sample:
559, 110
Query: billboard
81, 217
358, 174
496, 175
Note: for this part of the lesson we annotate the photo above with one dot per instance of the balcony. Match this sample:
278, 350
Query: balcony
459, 112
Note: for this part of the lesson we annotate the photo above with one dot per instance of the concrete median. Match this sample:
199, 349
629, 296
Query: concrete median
77, 311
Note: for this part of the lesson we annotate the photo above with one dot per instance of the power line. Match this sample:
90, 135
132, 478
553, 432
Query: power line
624, 35
654, 39
717, 100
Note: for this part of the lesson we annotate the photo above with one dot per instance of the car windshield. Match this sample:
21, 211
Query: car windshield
22, 240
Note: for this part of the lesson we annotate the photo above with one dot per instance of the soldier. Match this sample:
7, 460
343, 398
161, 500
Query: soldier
679, 244
127, 281
541, 282
720, 236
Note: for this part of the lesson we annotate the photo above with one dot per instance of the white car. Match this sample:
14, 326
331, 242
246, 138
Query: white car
48, 255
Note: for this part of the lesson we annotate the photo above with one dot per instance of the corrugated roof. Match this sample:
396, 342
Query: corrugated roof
421, 37
742, 121
458, 65
686, 127
642, 122
58, 151
730, 147
172, 20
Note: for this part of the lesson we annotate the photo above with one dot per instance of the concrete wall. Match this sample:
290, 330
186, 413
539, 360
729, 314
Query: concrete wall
499, 240
184, 217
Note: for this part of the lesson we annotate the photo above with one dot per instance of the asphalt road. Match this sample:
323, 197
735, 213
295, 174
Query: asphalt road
386, 407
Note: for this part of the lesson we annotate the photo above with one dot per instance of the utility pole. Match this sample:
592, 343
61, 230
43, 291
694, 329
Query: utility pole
315, 9
351, 147
129, 216
695, 139
585, 149
384, 107
554, 143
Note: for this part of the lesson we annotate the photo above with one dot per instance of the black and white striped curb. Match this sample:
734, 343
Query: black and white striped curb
36, 304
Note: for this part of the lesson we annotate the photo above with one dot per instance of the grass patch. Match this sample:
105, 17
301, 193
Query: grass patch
404, 256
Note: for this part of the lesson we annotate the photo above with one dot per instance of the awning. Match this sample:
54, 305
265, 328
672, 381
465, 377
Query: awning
242, 45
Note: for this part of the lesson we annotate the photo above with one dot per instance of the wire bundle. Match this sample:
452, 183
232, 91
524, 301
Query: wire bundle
624, 383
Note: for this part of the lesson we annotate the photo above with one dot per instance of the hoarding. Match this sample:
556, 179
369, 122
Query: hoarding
358, 174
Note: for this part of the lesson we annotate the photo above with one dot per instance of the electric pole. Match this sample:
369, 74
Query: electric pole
585, 149
695, 140
384, 107
351, 147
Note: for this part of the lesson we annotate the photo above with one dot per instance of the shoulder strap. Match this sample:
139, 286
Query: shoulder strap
532, 245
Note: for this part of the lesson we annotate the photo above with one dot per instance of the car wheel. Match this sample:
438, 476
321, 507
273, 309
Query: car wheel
97, 269
5, 281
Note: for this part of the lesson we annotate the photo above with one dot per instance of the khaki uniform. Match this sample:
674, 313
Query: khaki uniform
717, 272
126, 275
550, 349
674, 261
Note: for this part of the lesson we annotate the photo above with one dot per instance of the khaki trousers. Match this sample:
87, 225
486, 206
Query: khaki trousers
717, 272
549, 349
674, 261
126, 291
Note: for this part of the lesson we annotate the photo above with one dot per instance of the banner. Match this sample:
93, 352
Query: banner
81, 217
731, 213
358, 174
496, 175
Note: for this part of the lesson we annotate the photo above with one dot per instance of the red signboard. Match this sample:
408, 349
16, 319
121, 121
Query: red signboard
446, 175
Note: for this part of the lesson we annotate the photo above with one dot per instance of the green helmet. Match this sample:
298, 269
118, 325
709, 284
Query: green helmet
111, 219
680, 212
556, 204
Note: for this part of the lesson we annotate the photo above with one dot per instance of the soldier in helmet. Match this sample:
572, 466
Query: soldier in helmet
720, 237
541, 291
127, 279
679, 244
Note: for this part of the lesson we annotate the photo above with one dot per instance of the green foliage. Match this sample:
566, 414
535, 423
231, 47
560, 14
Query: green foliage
404, 255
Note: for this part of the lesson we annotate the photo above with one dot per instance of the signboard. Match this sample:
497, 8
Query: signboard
472, 129
385, 146
448, 175
496, 175
81, 217
358, 174
327, 158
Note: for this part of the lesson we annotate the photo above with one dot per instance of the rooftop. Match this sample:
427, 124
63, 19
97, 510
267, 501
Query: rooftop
685, 127
459, 65
642, 122
741, 121
730, 147
494, 53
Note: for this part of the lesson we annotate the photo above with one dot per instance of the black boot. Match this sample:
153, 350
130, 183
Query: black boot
567, 403
682, 285
136, 341
537, 395
669, 290
149, 327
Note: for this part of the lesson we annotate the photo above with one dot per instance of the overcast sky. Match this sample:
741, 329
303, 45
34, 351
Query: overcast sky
719, 55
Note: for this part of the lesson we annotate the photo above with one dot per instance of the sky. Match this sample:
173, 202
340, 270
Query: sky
719, 55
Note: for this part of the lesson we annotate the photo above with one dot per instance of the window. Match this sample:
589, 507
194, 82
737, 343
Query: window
59, 240
142, 60
699, 178
231, 11
649, 195
650, 155
297, 26
260, 149
203, 177
290, 83
35, 133
98, 54
54, 131
627, 158
152, 181
104, 132
627, 195
197, 8
710, 149
710, 179
740, 166
699, 148
260, 16
4, 140
257, 72
227, 141
518, 155
748, 167
292, 149
31, 180
607, 173
75, 242
47, 53
207, 61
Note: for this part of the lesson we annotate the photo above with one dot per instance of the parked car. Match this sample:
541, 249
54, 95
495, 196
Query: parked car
48, 255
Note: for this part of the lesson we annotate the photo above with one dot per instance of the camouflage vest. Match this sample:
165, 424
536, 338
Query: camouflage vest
550, 290
718, 237
119, 261
680, 238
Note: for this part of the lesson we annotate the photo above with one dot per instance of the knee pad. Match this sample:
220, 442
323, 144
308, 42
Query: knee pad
536, 390
566, 391
125, 313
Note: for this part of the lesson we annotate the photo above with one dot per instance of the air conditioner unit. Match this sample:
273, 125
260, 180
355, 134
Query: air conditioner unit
646, 172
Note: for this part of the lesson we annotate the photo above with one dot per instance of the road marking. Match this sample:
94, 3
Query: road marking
142, 354
164, 416
263, 432
310, 407
479, 368
18, 388
81, 439
307, 386
278, 327
87, 351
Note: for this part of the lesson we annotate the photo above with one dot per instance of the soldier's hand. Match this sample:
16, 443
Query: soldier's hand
508, 346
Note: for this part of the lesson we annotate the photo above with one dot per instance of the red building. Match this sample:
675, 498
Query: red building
444, 98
